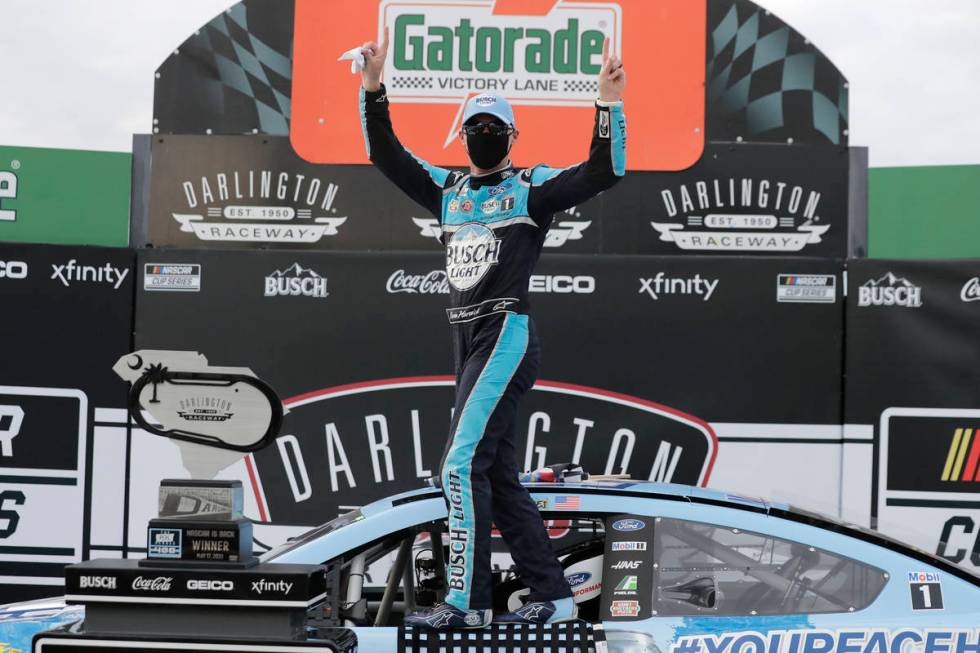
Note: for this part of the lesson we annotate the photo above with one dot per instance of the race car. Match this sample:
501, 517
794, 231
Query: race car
662, 568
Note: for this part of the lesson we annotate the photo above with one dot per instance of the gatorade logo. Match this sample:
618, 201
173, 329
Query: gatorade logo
543, 56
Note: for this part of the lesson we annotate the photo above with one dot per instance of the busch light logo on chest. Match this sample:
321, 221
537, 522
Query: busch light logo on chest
470, 254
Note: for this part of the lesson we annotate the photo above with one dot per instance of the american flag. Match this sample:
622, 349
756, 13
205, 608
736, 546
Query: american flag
567, 503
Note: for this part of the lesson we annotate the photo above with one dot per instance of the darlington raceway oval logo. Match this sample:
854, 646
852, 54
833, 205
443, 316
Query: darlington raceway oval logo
628, 525
352, 444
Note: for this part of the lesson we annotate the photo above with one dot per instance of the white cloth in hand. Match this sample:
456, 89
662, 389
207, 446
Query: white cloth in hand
356, 58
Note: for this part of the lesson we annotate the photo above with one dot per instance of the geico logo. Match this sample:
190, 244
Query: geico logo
562, 284
212, 585
97, 582
13, 270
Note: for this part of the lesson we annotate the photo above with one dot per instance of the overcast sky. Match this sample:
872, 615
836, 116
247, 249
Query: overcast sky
79, 73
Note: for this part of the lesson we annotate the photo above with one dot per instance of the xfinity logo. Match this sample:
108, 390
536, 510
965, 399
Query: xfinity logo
562, 284
13, 270
663, 285
211, 585
279, 586
72, 271
627, 564
890, 291
97, 582
969, 293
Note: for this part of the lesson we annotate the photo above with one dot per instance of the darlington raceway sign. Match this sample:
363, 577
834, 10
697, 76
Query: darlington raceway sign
348, 445
542, 55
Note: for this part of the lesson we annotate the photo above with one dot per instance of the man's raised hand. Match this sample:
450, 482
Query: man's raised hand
612, 76
374, 63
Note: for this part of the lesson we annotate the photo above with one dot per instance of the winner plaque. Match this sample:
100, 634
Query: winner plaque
200, 522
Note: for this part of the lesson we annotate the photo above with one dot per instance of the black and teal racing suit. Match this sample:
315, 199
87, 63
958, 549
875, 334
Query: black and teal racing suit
493, 228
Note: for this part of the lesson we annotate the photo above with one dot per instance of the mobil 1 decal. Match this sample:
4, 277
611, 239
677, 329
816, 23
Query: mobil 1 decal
627, 577
351, 444
745, 199
929, 480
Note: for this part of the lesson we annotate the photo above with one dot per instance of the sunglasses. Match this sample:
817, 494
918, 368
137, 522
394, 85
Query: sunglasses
495, 129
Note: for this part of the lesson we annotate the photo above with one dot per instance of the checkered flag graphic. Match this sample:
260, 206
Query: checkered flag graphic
581, 86
232, 76
411, 82
766, 82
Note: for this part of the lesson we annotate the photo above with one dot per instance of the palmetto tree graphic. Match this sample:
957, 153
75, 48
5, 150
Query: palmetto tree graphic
155, 374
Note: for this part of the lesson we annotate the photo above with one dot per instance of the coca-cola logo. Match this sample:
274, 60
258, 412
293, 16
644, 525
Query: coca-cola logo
971, 290
158, 584
430, 283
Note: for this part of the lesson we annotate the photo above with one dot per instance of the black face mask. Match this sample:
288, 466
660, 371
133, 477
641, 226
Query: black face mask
486, 150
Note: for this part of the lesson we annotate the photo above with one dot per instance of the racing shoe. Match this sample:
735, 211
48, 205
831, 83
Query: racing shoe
445, 617
541, 612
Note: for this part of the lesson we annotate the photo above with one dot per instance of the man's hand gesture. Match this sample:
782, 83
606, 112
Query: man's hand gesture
374, 63
612, 76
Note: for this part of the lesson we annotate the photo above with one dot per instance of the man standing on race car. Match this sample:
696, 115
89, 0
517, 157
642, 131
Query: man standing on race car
493, 222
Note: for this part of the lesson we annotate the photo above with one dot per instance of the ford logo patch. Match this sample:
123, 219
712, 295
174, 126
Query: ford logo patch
628, 525
574, 580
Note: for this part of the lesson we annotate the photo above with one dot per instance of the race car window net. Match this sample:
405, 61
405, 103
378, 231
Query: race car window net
707, 569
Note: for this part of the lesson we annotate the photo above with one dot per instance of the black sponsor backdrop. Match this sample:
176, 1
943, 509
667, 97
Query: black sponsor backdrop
58, 336
199, 184
923, 357
691, 355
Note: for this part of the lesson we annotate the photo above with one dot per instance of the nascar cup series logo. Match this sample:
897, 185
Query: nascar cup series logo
444, 51
470, 254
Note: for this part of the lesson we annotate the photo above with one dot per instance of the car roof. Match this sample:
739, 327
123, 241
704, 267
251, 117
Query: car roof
678, 492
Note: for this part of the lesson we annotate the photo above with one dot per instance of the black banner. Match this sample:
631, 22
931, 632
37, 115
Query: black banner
255, 192
640, 354
913, 373
67, 315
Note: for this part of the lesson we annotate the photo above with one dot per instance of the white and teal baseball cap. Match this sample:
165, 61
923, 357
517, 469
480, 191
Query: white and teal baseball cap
490, 104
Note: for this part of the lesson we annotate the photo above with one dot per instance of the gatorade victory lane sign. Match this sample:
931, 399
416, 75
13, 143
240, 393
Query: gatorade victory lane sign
542, 55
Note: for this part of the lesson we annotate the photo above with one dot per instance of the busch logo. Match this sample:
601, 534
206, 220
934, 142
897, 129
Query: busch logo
158, 584
470, 254
971, 290
295, 281
890, 291
458, 537
663, 285
97, 582
431, 283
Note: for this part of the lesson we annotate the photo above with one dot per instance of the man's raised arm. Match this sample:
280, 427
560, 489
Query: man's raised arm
556, 189
416, 178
